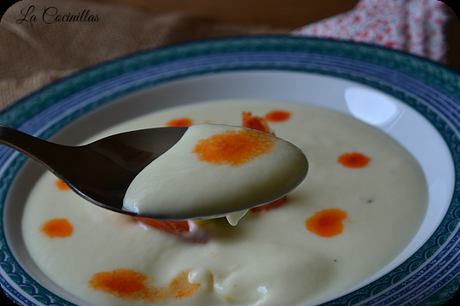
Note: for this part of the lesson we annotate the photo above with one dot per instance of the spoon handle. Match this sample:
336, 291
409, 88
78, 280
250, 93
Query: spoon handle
40, 150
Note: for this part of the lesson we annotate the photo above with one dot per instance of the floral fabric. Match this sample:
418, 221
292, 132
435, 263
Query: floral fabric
414, 26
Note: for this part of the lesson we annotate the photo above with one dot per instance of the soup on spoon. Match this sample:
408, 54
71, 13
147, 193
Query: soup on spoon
214, 170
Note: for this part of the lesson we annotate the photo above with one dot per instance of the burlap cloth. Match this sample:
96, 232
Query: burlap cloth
37, 48
35, 53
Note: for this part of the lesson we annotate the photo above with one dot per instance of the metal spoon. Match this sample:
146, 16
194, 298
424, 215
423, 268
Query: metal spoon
100, 171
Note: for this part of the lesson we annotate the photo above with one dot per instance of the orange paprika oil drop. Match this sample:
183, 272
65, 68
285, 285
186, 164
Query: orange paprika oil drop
133, 285
256, 123
327, 223
180, 122
179, 288
234, 147
122, 283
57, 228
353, 160
278, 116
61, 185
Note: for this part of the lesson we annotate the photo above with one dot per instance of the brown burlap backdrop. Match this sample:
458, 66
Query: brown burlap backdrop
37, 51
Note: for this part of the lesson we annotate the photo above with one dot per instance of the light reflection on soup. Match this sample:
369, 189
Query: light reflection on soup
338, 228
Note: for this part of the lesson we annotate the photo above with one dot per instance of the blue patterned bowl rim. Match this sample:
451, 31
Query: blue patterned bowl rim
429, 277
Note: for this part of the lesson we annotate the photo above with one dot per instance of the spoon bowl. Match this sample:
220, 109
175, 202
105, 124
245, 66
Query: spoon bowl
101, 171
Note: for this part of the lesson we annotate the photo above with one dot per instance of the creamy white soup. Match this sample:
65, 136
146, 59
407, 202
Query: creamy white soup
361, 203
214, 170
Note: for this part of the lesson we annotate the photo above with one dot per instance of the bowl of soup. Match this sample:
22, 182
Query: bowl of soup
374, 222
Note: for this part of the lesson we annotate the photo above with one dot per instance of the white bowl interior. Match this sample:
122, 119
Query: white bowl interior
387, 113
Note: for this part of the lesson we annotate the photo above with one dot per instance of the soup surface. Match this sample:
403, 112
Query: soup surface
362, 202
